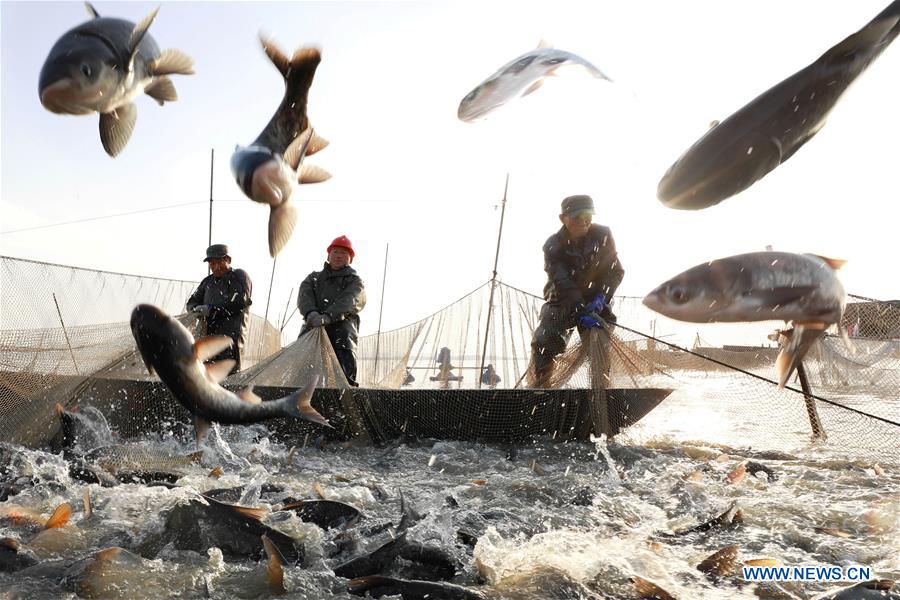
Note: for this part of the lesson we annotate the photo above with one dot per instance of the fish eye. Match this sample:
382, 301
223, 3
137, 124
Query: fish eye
553, 61
471, 96
678, 295
86, 70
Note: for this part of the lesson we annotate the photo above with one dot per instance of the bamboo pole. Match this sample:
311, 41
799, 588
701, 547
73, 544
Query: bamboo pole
380, 311
66, 334
487, 327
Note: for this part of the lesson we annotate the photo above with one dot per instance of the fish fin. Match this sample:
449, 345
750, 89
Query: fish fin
108, 554
60, 516
137, 36
297, 149
217, 372
597, 73
361, 585
722, 562
799, 343
60, 409
647, 589
201, 426
834, 263
861, 41
248, 396
172, 61
306, 58
116, 128
316, 144
542, 43
714, 123
211, 345
257, 514
781, 295
312, 174
11, 543
533, 87
298, 404
282, 219
91, 10
275, 568
162, 90
278, 58
762, 562
216, 473
86, 498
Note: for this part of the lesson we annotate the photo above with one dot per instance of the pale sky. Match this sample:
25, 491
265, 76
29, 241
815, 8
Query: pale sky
407, 172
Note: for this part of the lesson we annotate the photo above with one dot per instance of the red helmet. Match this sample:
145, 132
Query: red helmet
342, 242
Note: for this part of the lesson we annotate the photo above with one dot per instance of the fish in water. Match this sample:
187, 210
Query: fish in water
205, 523
266, 169
140, 458
877, 589
759, 286
169, 350
13, 557
82, 429
379, 585
722, 563
30, 521
520, 77
327, 514
101, 66
743, 148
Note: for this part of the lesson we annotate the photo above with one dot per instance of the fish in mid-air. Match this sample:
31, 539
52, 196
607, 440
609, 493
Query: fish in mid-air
266, 169
169, 350
101, 66
519, 77
743, 148
759, 286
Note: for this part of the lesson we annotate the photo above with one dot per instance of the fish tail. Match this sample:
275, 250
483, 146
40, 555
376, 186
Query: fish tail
298, 404
801, 340
361, 585
282, 219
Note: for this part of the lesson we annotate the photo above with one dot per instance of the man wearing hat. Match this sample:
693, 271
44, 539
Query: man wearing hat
583, 272
223, 298
332, 298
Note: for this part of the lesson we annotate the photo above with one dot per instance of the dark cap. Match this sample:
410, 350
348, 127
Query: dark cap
573, 205
216, 251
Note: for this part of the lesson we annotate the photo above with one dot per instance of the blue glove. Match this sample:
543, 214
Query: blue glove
590, 320
597, 305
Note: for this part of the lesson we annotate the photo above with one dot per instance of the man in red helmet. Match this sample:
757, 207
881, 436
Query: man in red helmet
332, 298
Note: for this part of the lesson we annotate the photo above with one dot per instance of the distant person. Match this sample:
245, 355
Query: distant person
489, 376
332, 298
223, 300
583, 272
445, 367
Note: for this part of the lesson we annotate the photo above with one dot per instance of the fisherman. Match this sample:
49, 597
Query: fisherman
583, 272
223, 299
332, 298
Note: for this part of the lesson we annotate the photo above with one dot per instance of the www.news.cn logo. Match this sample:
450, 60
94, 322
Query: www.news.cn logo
808, 573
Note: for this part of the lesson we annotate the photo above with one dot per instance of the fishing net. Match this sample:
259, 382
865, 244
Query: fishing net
464, 372
65, 334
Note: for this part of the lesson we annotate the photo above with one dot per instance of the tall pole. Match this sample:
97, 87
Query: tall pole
380, 311
271, 279
487, 327
212, 163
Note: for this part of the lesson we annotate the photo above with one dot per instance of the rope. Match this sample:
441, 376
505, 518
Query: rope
761, 378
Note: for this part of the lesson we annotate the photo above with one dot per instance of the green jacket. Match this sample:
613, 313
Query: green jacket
340, 294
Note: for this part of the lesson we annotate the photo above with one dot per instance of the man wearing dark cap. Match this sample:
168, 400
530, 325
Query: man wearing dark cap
332, 298
583, 272
223, 299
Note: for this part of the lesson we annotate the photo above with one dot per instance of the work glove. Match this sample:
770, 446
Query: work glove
597, 305
317, 319
591, 320
202, 309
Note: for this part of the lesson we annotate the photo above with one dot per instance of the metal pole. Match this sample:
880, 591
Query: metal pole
380, 311
286, 307
487, 327
271, 279
212, 163
66, 333
811, 412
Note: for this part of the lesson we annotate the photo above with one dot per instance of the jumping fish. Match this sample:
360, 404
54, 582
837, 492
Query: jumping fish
743, 148
101, 66
168, 349
266, 169
759, 286
519, 77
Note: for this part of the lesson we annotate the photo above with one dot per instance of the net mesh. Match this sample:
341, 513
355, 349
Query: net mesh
64, 329
464, 371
